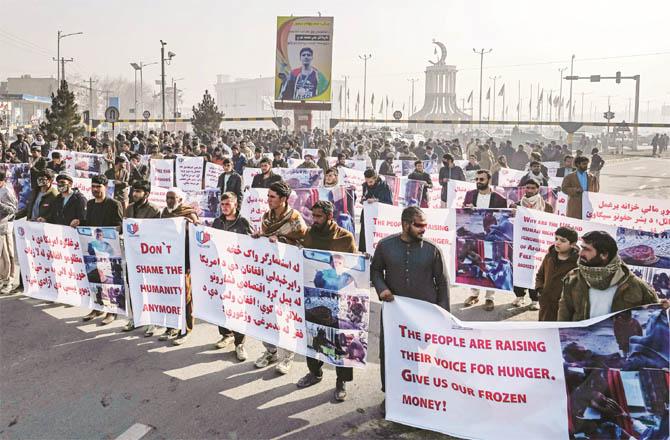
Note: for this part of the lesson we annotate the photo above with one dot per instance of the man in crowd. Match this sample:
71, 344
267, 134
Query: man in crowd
255, 161
280, 223
120, 176
69, 209
560, 259
374, 190
449, 171
278, 161
42, 198
597, 163
519, 159
141, 208
567, 167
239, 160
21, 148
601, 283
386, 168
576, 184
472, 164
326, 235
406, 264
102, 211
266, 178
420, 174
8, 207
230, 220
536, 174
483, 197
532, 199
229, 180
176, 208
308, 162
56, 163
138, 171
331, 178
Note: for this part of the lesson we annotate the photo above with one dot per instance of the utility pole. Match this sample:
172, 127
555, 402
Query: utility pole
494, 78
412, 80
62, 63
90, 98
346, 112
481, 70
61, 35
560, 94
365, 59
572, 63
163, 82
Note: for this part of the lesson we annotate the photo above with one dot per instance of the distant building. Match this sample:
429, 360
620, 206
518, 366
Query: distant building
255, 98
23, 100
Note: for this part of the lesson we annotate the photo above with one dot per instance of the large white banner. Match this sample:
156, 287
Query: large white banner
510, 177
212, 173
189, 173
155, 255
534, 233
652, 215
249, 285
51, 262
352, 179
254, 205
601, 378
161, 173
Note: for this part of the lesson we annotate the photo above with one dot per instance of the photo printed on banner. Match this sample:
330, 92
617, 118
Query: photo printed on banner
648, 256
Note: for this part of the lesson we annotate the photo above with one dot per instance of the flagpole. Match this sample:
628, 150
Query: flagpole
518, 106
503, 108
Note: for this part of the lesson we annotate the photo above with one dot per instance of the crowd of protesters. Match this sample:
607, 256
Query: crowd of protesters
572, 284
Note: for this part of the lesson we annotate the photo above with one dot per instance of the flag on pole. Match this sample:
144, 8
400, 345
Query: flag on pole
358, 98
488, 93
387, 102
567, 104
562, 103
348, 93
549, 101
381, 107
556, 101
502, 91
339, 99
470, 96
539, 100
392, 104
403, 107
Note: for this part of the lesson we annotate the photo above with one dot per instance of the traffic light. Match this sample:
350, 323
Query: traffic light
618, 77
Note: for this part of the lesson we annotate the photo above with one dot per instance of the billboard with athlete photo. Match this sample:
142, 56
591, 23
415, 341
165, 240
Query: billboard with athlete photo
304, 59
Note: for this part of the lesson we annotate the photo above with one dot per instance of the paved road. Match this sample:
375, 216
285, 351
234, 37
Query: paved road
62, 378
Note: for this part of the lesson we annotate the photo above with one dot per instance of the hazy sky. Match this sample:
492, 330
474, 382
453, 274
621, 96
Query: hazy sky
531, 40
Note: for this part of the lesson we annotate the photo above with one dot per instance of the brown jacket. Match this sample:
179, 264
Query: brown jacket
573, 189
549, 282
335, 238
575, 305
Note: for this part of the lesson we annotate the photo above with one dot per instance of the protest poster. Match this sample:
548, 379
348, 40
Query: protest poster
397, 166
189, 173
353, 179
248, 285
105, 268
212, 173
254, 205
301, 177
314, 152
647, 256
483, 254
157, 197
515, 195
155, 251
456, 190
161, 173
354, 164
79, 164
534, 234
51, 263
248, 175
18, 179
405, 192
652, 215
381, 220
205, 202
510, 177
302, 200
586, 379
304, 44
337, 307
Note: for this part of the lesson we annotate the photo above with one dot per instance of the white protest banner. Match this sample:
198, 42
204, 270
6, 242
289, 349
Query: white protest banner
354, 164
337, 307
534, 233
155, 254
510, 177
249, 285
552, 167
212, 173
652, 215
382, 220
189, 173
157, 197
456, 190
254, 205
352, 179
444, 374
51, 262
248, 175
314, 152
161, 173
301, 177
561, 207
105, 268
294, 162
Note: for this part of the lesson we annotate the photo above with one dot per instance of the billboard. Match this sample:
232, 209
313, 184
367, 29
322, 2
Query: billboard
304, 62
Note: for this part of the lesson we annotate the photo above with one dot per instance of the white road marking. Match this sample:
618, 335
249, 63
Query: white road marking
642, 187
118, 323
135, 432
72, 322
145, 343
102, 335
197, 370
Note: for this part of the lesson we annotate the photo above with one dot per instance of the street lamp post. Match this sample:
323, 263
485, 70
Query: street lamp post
61, 35
481, 70
412, 80
140, 67
365, 59
163, 61
494, 78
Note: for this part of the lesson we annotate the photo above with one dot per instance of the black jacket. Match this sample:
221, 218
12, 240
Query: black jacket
107, 213
46, 204
259, 182
75, 208
239, 226
233, 185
